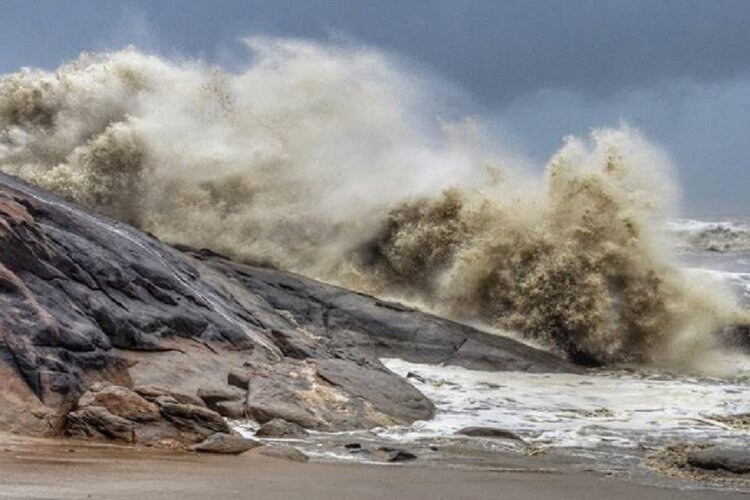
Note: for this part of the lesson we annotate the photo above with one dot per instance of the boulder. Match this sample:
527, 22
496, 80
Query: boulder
194, 420
734, 459
394, 455
489, 432
225, 444
280, 429
388, 394
295, 391
284, 452
239, 378
121, 402
98, 423
231, 409
213, 395
118, 413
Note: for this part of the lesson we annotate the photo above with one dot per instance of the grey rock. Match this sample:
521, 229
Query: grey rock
96, 422
226, 444
281, 429
114, 412
394, 455
295, 391
121, 402
284, 452
196, 420
154, 391
735, 460
213, 395
489, 432
388, 394
231, 409
239, 378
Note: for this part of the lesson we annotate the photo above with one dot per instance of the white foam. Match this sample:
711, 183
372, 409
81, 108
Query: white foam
567, 410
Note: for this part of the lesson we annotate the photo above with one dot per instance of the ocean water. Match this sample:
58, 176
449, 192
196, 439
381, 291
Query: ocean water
612, 409
719, 247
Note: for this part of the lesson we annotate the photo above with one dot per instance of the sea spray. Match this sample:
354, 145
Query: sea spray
327, 160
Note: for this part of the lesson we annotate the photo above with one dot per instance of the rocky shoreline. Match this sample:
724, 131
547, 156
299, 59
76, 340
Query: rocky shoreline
87, 300
107, 334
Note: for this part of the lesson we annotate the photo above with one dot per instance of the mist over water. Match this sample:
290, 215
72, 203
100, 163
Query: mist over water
332, 161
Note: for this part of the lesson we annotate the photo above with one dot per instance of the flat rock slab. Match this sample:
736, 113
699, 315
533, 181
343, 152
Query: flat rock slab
735, 460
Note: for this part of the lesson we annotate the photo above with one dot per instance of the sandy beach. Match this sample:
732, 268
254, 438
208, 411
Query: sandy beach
41, 469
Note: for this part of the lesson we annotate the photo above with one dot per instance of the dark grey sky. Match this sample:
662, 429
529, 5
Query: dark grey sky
679, 70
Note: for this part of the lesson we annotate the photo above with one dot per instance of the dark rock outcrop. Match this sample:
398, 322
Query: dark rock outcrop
84, 299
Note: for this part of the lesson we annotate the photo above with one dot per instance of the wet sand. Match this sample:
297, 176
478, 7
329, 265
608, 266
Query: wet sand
41, 469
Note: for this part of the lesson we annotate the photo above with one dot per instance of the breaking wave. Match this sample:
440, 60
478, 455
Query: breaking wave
329, 161
712, 236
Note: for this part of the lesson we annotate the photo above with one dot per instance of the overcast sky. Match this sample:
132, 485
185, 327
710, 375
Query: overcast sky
678, 70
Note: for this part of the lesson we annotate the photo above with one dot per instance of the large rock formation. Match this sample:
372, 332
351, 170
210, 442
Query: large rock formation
84, 299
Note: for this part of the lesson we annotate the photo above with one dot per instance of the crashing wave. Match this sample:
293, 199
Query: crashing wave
327, 160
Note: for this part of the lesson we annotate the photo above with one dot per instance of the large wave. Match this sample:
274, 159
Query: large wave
330, 161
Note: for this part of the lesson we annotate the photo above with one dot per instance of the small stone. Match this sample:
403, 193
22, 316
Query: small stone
353, 446
395, 454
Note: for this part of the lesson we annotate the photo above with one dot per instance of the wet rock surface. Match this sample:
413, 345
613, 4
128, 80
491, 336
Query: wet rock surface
736, 460
192, 336
394, 454
489, 432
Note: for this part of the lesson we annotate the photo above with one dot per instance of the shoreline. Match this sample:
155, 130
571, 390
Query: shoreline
35, 468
